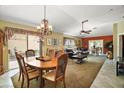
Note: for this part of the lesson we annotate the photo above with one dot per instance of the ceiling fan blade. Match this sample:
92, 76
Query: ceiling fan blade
89, 31
86, 32
81, 32
84, 21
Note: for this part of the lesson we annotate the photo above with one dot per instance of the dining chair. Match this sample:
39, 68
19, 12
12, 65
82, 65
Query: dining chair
58, 73
51, 53
26, 74
58, 53
30, 53
49, 56
20, 72
27, 67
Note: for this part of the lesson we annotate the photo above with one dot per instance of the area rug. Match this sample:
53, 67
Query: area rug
77, 75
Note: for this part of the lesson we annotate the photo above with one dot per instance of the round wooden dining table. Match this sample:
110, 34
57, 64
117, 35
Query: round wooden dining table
41, 65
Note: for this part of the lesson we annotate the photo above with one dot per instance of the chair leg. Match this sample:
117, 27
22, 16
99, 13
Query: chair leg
43, 82
19, 75
64, 83
27, 83
37, 78
55, 84
22, 81
47, 70
117, 69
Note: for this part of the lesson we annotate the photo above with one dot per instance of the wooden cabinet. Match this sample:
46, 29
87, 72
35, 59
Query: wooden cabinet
1, 52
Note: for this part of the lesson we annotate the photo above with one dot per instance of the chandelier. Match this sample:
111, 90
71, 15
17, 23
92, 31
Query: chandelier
44, 27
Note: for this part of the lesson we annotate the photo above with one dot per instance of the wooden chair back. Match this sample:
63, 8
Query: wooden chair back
58, 53
61, 66
51, 53
1, 51
21, 63
30, 53
16, 54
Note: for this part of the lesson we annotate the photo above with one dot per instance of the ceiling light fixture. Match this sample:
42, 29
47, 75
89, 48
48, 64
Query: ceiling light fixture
44, 27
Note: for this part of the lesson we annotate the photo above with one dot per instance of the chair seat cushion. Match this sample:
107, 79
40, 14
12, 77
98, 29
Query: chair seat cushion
31, 70
50, 75
33, 74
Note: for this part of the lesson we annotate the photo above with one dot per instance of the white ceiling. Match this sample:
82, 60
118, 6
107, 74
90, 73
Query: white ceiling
67, 19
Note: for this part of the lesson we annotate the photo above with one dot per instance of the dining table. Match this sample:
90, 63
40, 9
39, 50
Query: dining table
41, 65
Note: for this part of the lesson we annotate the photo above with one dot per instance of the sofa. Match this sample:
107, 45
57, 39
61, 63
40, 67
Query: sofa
70, 53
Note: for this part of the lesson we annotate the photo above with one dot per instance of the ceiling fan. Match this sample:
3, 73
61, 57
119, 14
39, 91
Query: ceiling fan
85, 31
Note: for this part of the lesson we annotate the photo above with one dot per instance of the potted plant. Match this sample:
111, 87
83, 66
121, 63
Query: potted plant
109, 47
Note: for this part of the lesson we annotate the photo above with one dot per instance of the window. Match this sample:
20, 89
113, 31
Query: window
34, 43
20, 43
17, 43
69, 43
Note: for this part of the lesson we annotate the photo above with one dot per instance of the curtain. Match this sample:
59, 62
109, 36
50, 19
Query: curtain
10, 31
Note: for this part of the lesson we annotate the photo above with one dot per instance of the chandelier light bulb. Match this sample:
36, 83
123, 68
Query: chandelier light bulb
38, 27
50, 27
42, 25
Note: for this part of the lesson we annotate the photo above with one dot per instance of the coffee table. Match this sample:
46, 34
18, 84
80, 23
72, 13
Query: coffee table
79, 58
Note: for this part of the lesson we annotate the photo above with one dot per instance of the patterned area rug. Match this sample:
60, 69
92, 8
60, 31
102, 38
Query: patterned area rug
77, 75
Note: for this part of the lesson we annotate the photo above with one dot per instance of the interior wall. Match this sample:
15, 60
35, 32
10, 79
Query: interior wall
85, 41
57, 36
118, 30
120, 45
114, 41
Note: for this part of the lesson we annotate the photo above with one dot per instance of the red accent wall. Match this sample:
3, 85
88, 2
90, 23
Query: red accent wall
85, 41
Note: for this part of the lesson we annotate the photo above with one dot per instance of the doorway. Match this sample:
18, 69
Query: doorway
123, 46
96, 47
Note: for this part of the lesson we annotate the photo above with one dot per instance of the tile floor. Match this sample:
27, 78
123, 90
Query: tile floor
107, 78
5, 79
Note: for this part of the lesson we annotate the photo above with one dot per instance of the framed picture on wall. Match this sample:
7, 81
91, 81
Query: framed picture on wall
49, 41
54, 42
